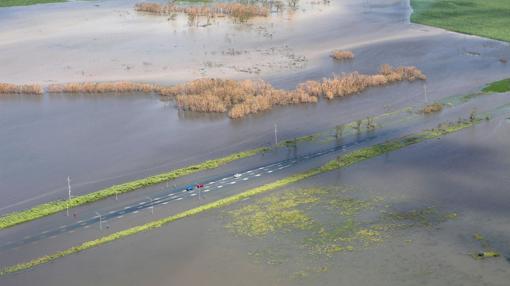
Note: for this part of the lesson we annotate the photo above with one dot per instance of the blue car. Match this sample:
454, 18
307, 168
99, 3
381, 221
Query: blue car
190, 188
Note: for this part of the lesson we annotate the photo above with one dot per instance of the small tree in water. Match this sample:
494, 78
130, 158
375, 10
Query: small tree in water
358, 125
472, 115
339, 131
370, 123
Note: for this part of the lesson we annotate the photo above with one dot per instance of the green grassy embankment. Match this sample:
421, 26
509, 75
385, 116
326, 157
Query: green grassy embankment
486, 18
10, 3
340, 162
498, 86
53, 207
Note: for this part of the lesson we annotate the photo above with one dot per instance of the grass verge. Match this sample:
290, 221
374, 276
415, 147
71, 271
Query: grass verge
340, 162
53, 207
10, 3
476, 17
498, 86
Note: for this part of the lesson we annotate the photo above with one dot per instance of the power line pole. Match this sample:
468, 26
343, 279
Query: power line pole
68, 194
276, 134
425, 93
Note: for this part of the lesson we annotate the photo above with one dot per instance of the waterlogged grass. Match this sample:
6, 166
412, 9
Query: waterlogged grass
498, 86
486, 18
341, 162
274, 213
10, 3
50, 208
313, 224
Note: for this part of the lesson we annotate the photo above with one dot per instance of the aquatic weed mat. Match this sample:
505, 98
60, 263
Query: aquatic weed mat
303, 229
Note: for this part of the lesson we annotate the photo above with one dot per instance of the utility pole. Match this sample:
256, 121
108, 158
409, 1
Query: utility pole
276, 134
152, 205
116, 195
100, 221
425, 93
68, 194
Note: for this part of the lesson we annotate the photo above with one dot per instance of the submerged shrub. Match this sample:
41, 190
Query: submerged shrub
342, 55
244, 97
239, 98
431, 108
102, 87
9, 88
239, 11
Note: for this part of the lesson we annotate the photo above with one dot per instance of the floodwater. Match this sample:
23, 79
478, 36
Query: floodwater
102, 140
463, 174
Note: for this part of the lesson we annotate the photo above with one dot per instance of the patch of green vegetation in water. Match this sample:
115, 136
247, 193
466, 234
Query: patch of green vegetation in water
487, 250
486, 18
295, 141
498, 86
321, 222
10, 3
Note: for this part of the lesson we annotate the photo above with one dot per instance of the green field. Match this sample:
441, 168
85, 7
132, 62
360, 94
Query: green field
9, 3
486, 18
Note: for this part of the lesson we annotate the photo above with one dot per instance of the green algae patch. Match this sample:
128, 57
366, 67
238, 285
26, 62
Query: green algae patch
53, 207
487, 251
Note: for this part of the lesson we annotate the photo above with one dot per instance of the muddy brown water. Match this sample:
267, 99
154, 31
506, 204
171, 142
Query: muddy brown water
464, 173
102, 140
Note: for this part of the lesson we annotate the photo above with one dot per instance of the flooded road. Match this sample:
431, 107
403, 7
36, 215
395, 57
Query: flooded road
100, 141
449, 175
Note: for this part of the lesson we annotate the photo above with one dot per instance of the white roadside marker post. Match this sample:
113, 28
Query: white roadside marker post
276, 134
152, 204
68, 194
100, 221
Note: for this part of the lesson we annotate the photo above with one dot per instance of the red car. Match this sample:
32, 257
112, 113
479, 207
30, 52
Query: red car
200, 186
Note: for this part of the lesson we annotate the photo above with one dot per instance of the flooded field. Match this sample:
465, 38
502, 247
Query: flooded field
424, 220
102, 140
432, 213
